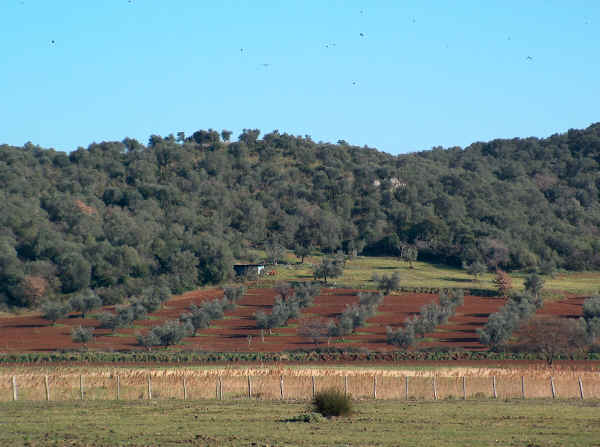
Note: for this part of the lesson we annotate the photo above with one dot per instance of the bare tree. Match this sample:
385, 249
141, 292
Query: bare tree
552, 337
315, 329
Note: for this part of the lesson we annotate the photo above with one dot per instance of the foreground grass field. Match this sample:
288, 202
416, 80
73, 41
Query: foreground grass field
251, 423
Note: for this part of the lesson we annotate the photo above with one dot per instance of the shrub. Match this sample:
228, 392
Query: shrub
387, 284
197, 318
168, 334
332, 402
234, 294
85, 302
53, 311
82, 335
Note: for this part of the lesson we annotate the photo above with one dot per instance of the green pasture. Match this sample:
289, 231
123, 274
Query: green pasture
360, 270
254, 423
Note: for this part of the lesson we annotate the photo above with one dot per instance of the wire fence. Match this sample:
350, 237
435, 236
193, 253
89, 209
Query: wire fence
192, 386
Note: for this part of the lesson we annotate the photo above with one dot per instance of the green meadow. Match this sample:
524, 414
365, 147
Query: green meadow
253, 423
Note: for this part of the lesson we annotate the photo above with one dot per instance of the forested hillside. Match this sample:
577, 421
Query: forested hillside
178, 211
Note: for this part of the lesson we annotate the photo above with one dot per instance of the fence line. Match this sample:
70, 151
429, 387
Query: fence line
292, 387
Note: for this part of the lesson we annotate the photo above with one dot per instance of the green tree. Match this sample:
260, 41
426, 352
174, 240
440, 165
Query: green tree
534, 285
82, 335
329, 268
85, 302
386, 283
54, 311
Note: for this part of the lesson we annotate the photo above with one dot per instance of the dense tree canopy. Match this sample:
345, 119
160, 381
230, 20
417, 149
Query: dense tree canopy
119, 216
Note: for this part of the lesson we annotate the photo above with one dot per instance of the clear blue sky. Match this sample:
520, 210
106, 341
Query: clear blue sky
426, 73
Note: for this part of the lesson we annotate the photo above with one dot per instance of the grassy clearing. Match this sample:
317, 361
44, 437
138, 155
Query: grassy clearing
359, 271
243, 423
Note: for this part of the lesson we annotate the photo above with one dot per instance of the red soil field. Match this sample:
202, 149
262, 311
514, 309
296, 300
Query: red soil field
34, 334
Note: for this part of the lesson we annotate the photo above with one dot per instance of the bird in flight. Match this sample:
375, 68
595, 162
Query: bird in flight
265, 65
529, 58
52, 42
353, 82
362, 34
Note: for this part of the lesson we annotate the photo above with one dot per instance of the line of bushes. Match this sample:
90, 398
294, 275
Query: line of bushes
199, 317
501, 325
590, 321
321, 355
150, 300
290, 300
430, 316
437, 290
356, 315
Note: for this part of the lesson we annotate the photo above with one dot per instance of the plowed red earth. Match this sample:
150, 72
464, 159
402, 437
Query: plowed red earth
33, 333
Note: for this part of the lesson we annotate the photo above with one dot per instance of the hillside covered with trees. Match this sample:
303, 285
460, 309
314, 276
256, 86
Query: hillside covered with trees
121, 215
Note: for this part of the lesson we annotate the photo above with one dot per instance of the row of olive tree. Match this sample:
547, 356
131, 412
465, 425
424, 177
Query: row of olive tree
356, 315
430, 316
290, 300
198, 317
150, 300
501, 325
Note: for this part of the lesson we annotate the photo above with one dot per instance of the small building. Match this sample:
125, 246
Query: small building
245, 269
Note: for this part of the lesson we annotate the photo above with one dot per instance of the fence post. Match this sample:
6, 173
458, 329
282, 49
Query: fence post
281, 386
220, 388
14, 387
522, 387
249, 387
435, 396
184, 389
406, 386
552, 387
118, 388
580, 388
47, 387
81, 386
374, 387
345, 385
464, 386
217, 389
313, 386
495, 394
149, 388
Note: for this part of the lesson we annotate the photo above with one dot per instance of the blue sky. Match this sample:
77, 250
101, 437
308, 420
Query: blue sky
424, 73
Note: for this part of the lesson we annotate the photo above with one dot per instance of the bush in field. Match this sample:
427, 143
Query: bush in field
53, 311
403, 338
332, 402
234, 294
122, 318
329, 268
168, 334
534, 285
85, 302
197, 318
387, 284
82, 335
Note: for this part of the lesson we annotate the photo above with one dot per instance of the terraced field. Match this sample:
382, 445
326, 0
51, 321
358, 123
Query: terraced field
32, 333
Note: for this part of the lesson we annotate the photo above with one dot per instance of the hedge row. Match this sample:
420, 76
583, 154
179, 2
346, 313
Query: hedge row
273, 357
